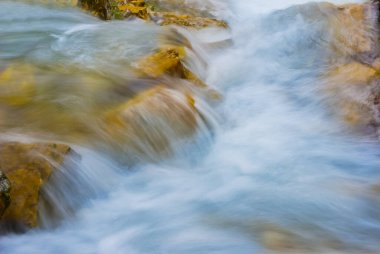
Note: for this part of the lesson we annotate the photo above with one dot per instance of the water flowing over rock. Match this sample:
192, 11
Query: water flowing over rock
138, 156
153, 121
28, 167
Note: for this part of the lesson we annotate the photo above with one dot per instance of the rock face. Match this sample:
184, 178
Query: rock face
353, 85
28, 167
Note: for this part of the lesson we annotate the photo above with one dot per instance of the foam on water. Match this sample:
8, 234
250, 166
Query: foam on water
278, 158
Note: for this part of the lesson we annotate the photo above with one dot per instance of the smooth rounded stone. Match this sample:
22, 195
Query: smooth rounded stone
5, 188
28, 167
17, 84
153, 121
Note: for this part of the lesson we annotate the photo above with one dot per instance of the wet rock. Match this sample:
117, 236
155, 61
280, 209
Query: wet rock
202, 8
136, 8
121, 9
170, 18
5, 188
169, 61
17, 85
351, 92
151, 123
165, 61
353, 30
115, 9
28, 167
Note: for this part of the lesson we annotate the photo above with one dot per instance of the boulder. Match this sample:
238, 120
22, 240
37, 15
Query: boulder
151, 122
28, 167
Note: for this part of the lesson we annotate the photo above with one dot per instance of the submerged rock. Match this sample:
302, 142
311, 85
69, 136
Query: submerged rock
28, 167
153, 121
17, 84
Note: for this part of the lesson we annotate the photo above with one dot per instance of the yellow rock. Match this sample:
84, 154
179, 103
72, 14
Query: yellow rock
17, 85
171, 18
165, 61
28, 167
153, 120
133, 10
353, 29
168, 61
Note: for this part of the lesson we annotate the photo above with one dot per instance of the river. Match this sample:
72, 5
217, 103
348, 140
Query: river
277, 172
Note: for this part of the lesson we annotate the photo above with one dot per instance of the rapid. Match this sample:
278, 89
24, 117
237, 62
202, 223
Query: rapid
270, 170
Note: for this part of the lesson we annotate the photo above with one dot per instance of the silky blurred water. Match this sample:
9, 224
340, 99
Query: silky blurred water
278, 168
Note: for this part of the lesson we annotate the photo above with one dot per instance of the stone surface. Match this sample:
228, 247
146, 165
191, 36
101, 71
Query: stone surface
28, 167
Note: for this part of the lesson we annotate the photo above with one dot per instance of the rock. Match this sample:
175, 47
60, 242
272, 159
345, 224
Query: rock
28, 167
120, 9
353, 29
203, 8
169, 61
170, 18
136, 8
100, 8
165, 61
17, 85
115, 9
153, 121
350, 90
5, 188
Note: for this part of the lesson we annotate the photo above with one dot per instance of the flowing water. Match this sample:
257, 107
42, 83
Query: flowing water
276, 172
